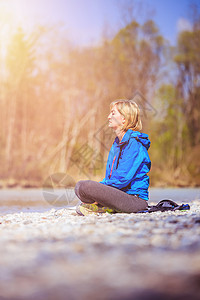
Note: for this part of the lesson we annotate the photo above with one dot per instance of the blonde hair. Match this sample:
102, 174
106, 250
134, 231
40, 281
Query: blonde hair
131, 112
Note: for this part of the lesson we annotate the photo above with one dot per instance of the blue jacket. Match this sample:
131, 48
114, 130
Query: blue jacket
128, 164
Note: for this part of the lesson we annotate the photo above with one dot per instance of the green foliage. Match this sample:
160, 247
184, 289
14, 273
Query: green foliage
20, 56
137, 51
188, 64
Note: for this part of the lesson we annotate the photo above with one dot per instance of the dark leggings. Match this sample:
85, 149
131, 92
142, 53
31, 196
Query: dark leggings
89, 191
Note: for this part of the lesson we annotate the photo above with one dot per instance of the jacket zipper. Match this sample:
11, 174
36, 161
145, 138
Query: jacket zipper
112, 166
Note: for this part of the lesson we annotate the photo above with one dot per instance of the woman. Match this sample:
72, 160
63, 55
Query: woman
125, 186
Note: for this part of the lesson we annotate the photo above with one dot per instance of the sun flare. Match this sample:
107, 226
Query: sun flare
14, 14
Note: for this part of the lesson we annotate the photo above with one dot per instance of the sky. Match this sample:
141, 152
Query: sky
86, 20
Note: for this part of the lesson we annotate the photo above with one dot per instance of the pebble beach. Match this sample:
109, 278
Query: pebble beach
57, 254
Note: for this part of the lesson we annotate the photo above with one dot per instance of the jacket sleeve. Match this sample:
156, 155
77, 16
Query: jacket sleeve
129, 163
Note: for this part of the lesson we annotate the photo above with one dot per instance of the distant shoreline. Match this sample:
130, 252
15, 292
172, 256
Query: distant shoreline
12, 184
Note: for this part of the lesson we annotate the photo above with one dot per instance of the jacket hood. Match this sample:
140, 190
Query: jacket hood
143, 138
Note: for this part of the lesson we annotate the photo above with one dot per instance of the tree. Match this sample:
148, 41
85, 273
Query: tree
138, 50
188, 84
19, 86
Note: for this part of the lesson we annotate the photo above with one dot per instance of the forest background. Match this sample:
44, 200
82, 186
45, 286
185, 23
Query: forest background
55, 97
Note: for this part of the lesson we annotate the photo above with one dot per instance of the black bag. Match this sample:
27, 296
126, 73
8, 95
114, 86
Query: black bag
165, 205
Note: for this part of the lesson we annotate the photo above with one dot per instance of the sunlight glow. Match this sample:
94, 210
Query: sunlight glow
14, 14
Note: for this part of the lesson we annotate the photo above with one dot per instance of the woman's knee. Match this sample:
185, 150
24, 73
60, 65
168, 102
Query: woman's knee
81, 187
78, 188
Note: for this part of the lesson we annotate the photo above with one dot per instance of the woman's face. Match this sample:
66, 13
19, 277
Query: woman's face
116, 120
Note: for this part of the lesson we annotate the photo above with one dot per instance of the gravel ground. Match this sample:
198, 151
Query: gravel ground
60, 255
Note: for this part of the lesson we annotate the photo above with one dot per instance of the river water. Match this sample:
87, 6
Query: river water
39, 200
